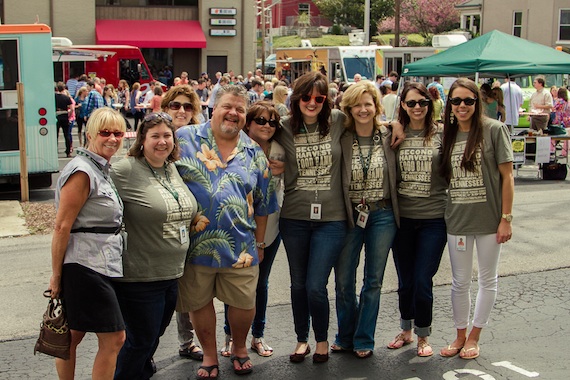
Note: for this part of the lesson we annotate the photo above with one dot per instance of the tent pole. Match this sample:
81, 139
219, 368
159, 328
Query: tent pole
511, 127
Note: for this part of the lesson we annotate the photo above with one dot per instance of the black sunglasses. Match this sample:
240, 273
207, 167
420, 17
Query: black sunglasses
175, 106
422, 103
262, 121
467, 101
319, 98
106, 133
158, 115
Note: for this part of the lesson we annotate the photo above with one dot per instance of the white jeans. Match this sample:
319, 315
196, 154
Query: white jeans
488, 252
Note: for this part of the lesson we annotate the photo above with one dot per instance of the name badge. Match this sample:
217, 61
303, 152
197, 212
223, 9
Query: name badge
183, 234
362, 219
460, 243
315, 211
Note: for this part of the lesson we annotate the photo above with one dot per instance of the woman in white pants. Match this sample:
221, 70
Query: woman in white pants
477, 162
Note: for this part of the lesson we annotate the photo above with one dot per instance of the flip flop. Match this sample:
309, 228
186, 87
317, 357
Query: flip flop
336, 349
451, 351
241, 361
399, 342
465, 351
208, 369
363, 354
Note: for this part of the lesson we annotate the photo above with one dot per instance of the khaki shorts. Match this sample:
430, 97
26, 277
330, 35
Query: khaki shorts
539, 122
200, 284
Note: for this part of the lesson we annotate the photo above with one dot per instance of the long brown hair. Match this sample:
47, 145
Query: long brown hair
304, 85
403, 117
450, 129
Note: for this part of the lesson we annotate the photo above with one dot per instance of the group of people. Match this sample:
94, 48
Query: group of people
197, 211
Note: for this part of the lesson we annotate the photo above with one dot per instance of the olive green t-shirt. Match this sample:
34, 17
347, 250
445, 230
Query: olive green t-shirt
369, 152
421, 189
475, 198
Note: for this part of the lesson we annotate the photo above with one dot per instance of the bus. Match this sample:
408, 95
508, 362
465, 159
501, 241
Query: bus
26, 57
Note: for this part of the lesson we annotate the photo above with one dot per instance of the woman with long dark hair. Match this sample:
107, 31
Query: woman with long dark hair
477, 162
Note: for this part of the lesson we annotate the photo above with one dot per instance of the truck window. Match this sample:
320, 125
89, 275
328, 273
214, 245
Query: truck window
9, 76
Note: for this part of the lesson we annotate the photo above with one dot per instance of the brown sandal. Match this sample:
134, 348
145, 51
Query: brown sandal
399, 342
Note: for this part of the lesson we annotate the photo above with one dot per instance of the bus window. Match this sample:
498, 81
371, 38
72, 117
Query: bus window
9, 76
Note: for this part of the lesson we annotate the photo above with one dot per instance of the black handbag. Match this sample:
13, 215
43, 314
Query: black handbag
55, 337
554, 171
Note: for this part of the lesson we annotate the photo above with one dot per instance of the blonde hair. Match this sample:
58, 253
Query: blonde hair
105, 118
352, 96
279, 94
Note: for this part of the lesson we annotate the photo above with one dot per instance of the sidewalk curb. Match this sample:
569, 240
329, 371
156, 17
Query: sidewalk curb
12, 222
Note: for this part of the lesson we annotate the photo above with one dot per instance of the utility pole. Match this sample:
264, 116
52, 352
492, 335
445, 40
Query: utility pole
366, 22
263, 37
397, 24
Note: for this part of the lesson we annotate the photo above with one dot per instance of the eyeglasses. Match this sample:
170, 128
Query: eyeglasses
107, 133
422, 103
318, 98
467, 101
175, 106
262, 121
157, 115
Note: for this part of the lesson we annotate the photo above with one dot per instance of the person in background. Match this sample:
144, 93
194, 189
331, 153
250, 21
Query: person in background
562, 108
135, 106
181, 103
183, 78
421, 237
156, 100
390, 101
498, 94
158, 211
438, 105
477, 162
109, 96
229, 176
149, 94
63, 104
513, 100
372, 192
357, 77
203, 94
123, 96
437, 84
94, 100
262, 121
212, 99
72, 84
540, 104
489, 102
81, 106
279, 97
86, 250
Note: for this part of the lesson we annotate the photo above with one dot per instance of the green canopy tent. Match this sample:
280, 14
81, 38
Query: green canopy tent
494, 54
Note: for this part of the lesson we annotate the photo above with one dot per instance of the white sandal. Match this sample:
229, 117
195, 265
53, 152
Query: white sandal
227, 350
255, 346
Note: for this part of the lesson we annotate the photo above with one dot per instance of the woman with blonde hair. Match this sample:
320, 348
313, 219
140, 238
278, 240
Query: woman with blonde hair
279, 97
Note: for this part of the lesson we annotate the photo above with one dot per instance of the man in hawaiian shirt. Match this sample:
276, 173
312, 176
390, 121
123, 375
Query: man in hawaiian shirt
229, 176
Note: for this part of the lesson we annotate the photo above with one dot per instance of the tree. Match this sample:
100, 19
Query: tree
425, 17
351, 12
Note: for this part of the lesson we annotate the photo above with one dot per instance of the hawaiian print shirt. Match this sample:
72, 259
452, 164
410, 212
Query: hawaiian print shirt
228, 194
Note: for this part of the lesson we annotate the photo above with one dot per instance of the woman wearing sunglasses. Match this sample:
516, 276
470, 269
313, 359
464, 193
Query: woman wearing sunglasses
372, 193
86, 246
262, 121
158, 211
477, 163
183, 105
421, 237
314, 214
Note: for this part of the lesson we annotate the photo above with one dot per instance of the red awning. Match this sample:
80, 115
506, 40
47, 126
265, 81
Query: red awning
151, 33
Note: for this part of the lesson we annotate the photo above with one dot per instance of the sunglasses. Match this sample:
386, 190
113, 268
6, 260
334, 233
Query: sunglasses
175, 106
158, 115
467, 101
318, 98
106, 133
262, 121
422, 103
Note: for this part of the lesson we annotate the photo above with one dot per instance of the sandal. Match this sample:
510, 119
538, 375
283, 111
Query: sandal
399, 342
258, 345
363, 354
449, 352
192, 352
241, 361
464, 352
208, 369
337, 349
227, 350
424, 349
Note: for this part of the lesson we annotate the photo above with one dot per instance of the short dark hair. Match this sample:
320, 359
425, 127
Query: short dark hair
148, 123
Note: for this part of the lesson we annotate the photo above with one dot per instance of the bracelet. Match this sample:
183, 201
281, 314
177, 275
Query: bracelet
260, 244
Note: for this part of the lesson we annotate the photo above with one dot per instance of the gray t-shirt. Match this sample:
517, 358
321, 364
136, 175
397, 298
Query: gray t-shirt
153, 220
370, 152
421, 189
313, 167
474, 198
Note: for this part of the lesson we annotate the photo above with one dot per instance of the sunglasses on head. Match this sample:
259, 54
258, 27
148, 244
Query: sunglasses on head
107, 133
157, 115
175, 106
262, 121
422, 103
318, 98
467, 101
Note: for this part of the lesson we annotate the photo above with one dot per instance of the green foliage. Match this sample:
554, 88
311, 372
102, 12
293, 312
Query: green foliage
336, 30
295, 41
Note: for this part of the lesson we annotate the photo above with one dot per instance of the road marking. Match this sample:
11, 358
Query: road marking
513, 367
451, 375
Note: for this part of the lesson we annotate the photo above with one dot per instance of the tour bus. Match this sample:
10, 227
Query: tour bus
119, 62
26, 57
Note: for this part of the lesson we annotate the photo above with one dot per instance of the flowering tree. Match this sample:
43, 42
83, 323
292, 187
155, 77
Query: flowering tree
425, 17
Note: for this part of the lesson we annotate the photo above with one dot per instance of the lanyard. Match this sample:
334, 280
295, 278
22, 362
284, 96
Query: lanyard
365, 161
101, 169
167, 185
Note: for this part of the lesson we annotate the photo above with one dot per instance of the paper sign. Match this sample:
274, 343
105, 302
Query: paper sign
542, 150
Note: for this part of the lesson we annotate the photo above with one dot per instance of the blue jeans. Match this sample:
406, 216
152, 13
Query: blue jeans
312, 250
357, 320
258, 325
418, 248
147, 308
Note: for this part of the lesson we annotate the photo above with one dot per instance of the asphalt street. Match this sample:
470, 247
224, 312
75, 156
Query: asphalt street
526, 337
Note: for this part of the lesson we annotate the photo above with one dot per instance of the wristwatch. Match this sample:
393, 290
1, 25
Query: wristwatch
507, 217
260, 244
